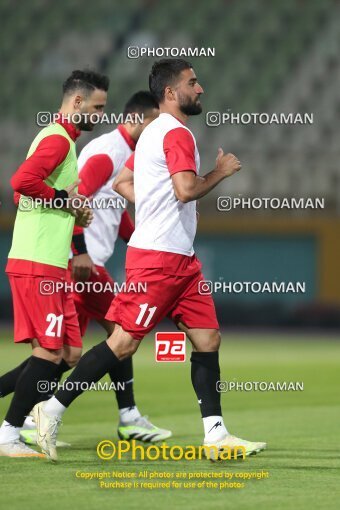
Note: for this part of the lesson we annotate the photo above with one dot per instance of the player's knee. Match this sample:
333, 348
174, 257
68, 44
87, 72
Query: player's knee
206, 340
55, 356
126, 349
214, 340
122, 344
72, 356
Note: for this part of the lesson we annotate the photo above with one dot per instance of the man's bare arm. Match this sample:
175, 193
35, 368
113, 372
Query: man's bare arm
188, 186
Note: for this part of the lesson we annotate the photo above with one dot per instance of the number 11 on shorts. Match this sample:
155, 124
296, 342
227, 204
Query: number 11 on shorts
144, 308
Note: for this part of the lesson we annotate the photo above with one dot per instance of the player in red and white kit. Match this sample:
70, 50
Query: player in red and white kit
99, 164
160, 253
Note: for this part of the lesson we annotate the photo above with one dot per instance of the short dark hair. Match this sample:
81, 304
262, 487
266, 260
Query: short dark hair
87, 81
164, 73
140, 102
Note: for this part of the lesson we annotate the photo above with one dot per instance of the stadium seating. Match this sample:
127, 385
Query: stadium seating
270, 57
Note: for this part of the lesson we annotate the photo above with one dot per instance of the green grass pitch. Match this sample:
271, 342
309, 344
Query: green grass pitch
301, 428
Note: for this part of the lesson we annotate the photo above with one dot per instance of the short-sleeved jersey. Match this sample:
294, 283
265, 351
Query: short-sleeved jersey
101, 235
163, 223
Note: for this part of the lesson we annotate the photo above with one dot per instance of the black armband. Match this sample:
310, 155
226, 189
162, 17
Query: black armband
60, 198
78, 244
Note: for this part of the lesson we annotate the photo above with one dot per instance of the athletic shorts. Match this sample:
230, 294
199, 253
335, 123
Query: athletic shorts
91, 304
177, 297
42, 313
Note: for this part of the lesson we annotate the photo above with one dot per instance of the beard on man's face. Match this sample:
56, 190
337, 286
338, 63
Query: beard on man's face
190, 106
84, 124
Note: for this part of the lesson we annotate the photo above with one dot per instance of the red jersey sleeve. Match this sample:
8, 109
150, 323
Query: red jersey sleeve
130, 163
16, 198
126, 227
94, 174
179, 150
29, 179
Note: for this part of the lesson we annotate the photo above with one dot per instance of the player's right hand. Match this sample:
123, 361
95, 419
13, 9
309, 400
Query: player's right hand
83, 216
83, 267
228, 164
72, 194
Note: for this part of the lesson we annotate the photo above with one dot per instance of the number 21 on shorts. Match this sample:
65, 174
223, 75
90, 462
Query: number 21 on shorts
55, 325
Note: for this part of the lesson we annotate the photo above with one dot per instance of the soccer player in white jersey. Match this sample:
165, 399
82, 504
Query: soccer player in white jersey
99, 164
160, 253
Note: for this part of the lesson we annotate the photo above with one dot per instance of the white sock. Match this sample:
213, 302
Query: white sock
29, 424
54, 408
214, 428
8, 433
127, 414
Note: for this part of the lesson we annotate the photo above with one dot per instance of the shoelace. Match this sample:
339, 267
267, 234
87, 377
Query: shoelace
53, 427
146, 423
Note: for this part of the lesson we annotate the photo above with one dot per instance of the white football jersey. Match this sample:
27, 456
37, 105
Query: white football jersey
163, 223
101, 235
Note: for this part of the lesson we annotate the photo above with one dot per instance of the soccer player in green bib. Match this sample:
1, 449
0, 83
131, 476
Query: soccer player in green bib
44, 312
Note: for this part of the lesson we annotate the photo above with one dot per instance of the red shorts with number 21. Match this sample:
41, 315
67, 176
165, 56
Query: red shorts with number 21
45, 311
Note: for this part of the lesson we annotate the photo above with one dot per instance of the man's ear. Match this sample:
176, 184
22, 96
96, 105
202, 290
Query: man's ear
169, 93
77, 102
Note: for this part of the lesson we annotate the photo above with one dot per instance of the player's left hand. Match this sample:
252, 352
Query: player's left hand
83, 267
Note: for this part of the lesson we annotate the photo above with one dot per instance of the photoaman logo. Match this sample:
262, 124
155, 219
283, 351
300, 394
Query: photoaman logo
107, 450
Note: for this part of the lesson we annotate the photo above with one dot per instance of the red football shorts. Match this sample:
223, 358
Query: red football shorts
43, 313
166, 295
92, 303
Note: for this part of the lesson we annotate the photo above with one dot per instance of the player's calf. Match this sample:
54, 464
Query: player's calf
36, 373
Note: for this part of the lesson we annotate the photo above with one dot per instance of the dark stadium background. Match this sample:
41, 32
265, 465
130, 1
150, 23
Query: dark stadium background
288, 62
